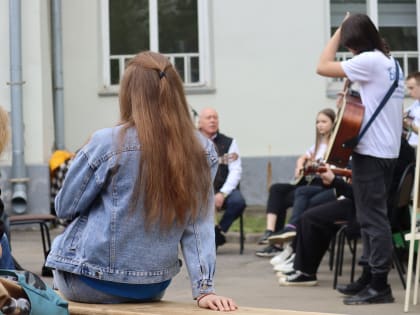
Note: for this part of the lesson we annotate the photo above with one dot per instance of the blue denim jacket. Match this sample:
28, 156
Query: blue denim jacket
107, 241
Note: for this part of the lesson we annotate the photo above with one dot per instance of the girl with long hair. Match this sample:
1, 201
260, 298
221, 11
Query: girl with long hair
133, 193
281, 195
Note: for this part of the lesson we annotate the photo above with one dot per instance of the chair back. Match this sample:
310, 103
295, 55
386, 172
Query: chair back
405, 187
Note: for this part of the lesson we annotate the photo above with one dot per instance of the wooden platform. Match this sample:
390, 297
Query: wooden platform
169, 308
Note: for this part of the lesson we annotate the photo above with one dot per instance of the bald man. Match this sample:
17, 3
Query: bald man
226, 184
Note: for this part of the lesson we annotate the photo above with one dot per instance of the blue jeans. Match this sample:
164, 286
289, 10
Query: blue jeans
234, 206
6, 260
307, 197
74, 289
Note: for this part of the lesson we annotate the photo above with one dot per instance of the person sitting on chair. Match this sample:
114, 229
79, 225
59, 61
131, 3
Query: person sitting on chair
226, 184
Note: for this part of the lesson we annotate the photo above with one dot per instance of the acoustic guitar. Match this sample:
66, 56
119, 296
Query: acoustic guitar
322, 168
315, 167
346, 127
228, 158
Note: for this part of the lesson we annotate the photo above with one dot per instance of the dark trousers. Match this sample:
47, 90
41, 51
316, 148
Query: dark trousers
314, 231
233, 207
371, 180
281, 197
307, 197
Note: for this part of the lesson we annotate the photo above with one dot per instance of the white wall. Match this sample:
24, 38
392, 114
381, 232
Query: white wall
264, 52
36, 72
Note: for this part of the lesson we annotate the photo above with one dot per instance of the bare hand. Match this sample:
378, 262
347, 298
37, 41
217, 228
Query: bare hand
328, 176
219, 199
217, 303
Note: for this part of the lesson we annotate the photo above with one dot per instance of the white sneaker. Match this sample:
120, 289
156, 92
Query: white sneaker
289, 260
287, 266
282, 257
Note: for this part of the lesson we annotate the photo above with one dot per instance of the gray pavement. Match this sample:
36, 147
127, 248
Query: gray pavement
246, 278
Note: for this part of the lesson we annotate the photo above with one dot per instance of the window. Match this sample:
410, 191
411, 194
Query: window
176, 28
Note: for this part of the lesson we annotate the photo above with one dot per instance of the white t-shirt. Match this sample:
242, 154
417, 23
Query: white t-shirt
414, 112
375, 73
320, 154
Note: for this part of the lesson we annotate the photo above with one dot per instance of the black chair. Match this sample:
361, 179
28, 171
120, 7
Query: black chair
43, 220
399, 204
349, 232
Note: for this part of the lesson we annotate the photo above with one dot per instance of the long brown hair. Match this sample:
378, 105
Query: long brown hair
174, 176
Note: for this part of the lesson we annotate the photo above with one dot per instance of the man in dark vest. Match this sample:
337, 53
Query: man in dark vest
226, 184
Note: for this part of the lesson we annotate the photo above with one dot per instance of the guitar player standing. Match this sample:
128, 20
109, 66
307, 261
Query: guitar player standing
374, 156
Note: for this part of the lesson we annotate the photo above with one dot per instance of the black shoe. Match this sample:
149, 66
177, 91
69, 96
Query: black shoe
351, 288
370, 296
264, 238
268, 251
220, 238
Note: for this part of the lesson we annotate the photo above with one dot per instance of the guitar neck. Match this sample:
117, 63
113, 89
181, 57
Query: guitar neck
322, 169
336, 170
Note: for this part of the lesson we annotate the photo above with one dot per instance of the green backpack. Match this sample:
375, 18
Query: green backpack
42, 298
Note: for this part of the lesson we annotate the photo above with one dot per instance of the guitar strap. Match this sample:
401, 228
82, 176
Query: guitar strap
354, 141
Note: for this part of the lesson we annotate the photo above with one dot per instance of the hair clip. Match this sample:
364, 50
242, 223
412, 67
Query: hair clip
162, 74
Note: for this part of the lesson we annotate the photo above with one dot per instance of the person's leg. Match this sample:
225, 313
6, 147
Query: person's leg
280, 198
314, 232
316, 228
6, 260
234, 206
309, 196
371, 180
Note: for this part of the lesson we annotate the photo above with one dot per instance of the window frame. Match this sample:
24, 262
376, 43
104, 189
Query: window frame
205, 83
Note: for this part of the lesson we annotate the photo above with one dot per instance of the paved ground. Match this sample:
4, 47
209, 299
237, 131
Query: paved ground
246, 278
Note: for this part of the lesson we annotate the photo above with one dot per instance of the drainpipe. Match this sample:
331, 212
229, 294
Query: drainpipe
58, 86
19, 178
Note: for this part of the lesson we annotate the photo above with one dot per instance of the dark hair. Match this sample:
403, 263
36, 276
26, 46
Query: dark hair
360, 34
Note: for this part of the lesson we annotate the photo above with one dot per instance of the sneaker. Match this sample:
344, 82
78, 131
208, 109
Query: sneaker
282, 257
284, 235
264, 238
268, 251
287, 266
299, 279
220, 238
280, 274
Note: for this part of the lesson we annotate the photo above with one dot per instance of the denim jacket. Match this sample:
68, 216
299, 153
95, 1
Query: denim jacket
108, 241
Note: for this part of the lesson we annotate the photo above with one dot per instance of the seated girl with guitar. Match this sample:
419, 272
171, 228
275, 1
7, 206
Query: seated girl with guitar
281, 195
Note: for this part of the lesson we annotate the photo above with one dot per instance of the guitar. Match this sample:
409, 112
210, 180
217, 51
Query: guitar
228, 158
346, 127
315, 167
321, 168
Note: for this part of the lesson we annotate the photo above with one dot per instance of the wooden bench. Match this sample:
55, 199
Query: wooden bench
169, 308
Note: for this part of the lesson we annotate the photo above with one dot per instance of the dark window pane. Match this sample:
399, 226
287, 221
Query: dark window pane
400, 38
128, 26
178, 28
179, 65
115, 72
195, 70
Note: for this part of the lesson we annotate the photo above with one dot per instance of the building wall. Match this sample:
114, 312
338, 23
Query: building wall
36, 102
266, 90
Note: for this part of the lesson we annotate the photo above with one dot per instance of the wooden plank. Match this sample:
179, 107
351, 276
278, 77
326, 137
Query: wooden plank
168, 308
